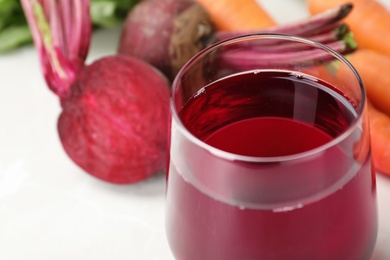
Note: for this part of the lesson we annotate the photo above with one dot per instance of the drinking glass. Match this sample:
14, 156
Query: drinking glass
270, 154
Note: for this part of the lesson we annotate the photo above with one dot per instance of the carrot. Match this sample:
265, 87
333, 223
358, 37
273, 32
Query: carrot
378, 122
369, 21
380, 139
230, 15
374, 69
336, 76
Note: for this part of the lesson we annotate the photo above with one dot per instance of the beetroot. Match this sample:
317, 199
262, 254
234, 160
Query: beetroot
114, 118
114, 122
165, 33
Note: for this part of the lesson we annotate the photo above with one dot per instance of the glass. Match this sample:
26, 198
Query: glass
270, 154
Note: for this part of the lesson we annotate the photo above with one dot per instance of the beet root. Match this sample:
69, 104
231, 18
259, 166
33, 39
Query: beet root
114, 120
166, 33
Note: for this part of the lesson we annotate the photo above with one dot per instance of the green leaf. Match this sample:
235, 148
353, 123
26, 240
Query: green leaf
109, 13
13, 37
103, 13
124, 5
6, 4
11, 13
14, 30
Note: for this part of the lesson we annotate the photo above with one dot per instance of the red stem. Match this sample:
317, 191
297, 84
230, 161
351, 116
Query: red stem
61, 31
302, 27
255, 58
331, 35
334, 33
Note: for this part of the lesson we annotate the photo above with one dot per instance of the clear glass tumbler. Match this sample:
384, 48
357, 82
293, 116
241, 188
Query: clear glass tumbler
270, 154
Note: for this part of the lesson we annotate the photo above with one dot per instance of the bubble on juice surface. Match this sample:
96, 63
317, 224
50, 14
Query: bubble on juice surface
200, 92
287, 208
297, 74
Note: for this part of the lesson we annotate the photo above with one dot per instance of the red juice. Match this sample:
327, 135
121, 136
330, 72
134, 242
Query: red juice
295, 205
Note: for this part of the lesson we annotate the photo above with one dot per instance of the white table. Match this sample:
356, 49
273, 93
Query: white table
50, 209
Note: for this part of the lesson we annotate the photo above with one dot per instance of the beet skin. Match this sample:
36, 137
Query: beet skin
166, 33
114, 120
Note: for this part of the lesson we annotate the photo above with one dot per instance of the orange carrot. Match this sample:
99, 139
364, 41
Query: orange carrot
374, 69
380, 139
378, 122
369, 21
336, 76
231, 15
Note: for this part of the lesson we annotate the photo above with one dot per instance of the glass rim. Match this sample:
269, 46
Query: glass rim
257, 159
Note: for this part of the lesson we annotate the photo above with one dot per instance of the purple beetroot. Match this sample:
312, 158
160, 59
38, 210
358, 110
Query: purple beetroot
114, 117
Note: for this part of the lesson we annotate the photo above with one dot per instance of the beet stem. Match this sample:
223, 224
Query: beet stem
336, 33
61, 31
331, 35
48, 42
257, 58
302, 27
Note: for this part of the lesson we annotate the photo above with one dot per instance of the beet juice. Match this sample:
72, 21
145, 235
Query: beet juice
268, 171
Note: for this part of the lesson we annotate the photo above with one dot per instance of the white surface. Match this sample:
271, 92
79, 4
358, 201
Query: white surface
50, 209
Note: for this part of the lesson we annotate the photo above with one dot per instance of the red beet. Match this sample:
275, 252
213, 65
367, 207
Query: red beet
165, 33
114, 123
114, 118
